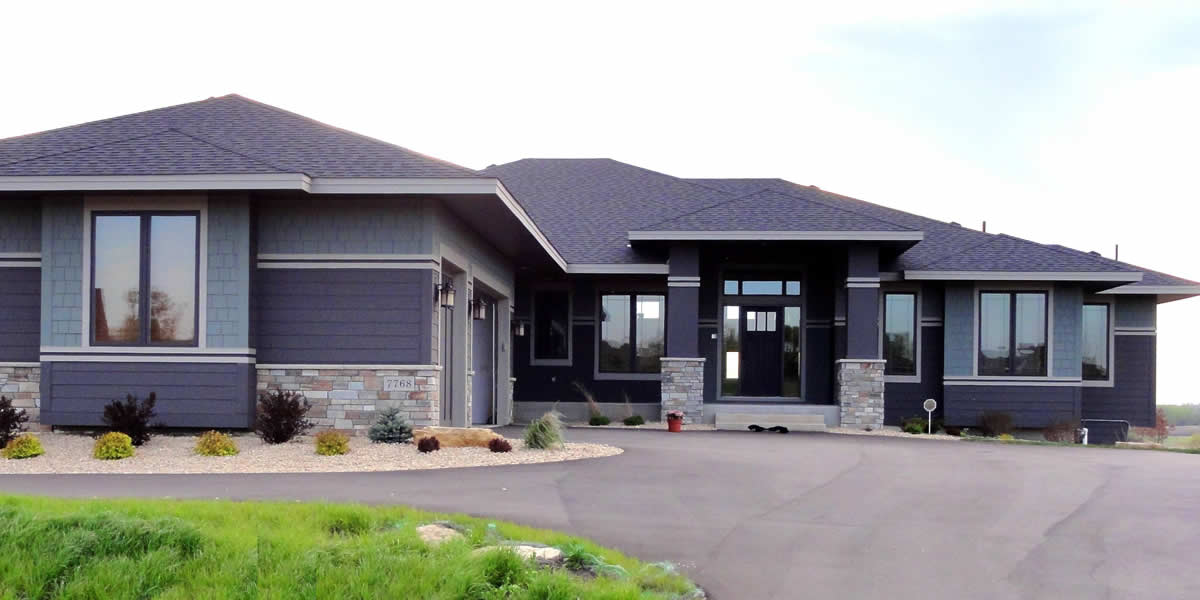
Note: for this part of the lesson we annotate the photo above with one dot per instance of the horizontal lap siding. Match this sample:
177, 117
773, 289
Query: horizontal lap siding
188, 394
1132, 396
904, 400
20, 314
1030, 406
344, 316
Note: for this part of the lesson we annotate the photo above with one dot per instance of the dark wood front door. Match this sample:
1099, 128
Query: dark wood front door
762, 351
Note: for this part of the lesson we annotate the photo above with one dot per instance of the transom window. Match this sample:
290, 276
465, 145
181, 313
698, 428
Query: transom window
900, 333
1012, 333
144, 278
761, 287
1095, 342
632, 333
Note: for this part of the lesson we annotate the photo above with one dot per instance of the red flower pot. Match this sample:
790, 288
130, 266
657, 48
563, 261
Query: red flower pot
674, 425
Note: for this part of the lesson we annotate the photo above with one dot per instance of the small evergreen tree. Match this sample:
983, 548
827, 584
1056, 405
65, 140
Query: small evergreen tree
391, 428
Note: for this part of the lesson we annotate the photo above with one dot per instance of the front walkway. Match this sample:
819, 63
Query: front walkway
757, 516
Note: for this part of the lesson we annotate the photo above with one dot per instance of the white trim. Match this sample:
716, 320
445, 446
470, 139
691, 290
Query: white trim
346, 257
47, 183
862, 280
20, 364
682, 358
142, 350
1022, 276
146, 358
1154, 289
736, 235
1024, 382
695, 278
860, 360
21, 255
432, 265
1121, 332
618, 269
862, 285
350, 367
21, 263
683, 284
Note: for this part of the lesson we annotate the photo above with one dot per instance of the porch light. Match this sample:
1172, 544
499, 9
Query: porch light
519, 328
479, 309
444, 293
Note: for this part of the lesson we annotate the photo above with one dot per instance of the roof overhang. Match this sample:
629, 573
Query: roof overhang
618, 269
1155, 289
1111, 276
289, 181
751, 235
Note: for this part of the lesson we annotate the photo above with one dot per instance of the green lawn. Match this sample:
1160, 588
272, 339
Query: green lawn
114, 549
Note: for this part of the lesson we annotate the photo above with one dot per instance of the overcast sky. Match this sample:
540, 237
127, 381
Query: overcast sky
1075, 124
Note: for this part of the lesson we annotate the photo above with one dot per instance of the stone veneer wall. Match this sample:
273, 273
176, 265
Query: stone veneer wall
860, 392
23, 386
683, 388
348, 399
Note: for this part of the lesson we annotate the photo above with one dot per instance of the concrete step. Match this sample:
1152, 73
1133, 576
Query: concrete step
734, 421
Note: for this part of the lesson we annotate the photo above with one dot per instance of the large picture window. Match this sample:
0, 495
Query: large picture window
900, 333
144, 278
551, 325
632, 333
1012, 333
1095, 342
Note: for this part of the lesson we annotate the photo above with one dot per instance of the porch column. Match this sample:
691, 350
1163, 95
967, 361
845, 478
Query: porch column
860, 372
682, 366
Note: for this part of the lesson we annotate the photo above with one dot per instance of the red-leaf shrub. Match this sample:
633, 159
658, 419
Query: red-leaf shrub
499, 445
429, 444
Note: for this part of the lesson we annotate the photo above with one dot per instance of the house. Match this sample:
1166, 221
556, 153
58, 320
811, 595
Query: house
210, 250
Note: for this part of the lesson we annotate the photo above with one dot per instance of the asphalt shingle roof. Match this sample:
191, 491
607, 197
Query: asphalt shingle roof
224, 135
768, 210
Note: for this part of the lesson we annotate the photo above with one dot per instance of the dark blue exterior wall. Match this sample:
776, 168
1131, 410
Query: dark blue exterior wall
1030, 406
188, 394
904, 400
1132, 396
20, 314
344, 316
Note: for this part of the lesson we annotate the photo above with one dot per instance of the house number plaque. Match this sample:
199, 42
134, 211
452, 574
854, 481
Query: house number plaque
402, 383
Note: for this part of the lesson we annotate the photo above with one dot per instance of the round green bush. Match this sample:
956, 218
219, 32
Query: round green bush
215, 443
24, 446
113, 446
634, 421
599, 420
332, 443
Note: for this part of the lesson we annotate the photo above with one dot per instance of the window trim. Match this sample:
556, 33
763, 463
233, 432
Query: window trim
551, 362
977, 333
1110, 381
631, 375
173, 203
918, 316
738, 271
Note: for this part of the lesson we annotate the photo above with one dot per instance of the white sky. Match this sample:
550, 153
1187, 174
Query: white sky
1074, 124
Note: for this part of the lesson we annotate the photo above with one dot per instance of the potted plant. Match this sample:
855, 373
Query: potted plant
674, 421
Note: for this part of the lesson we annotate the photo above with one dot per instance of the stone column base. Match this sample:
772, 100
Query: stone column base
860, 392
683, 388
23, 385
348, 399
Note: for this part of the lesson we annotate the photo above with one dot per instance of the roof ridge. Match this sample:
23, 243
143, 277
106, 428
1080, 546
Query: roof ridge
116, 118
108, 143
230, 150
704, 208
1059, 249
786, 195
350, 133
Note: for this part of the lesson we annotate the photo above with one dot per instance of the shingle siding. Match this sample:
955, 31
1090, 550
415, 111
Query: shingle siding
20, 226
62, 272
339, 225
1068, 323
959, 329
228, 275
1136, 311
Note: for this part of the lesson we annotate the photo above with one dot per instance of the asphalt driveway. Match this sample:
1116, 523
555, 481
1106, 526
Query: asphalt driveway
758, 516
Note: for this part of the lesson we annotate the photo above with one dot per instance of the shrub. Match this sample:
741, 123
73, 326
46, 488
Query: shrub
113, 445
12, 421
595, 417
499, 445
634, 420
952, 430
23, 446
390, 428
429, 444
1060, 431
992, 424
914, 425
596, 420
545, 432
131, 417
1157, 434
281, 416
215, 443
1008, 437
332, 443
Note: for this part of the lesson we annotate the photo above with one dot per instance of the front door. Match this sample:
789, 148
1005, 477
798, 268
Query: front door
761, 356
483, 384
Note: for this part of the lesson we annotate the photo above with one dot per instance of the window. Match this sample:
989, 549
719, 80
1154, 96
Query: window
551, 325
632, 333
1095, 342
900, 333
144, 278
1012, 333
749, 287
791, 350
732, 335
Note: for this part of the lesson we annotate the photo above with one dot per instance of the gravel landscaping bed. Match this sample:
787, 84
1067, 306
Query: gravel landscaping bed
891, 431
72, 453
653, 425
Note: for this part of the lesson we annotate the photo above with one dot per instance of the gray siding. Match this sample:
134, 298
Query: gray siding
20, 226
1136, 311
62, 272
228, 275
959, 336
1132, 397
1030, 406
343, 225
20, 309
188, 394
1068, 324
344, 316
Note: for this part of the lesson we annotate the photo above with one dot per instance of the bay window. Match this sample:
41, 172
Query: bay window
632, 333
1012, 333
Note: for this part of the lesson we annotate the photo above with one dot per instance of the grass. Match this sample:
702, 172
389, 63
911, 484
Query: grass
115, 549
1169, 448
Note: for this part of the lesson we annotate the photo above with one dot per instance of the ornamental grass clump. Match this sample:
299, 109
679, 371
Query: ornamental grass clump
215, 443
12, 421
390, 428
113, 445
23, 446
131, 417
332, 443
595, 417
545, 432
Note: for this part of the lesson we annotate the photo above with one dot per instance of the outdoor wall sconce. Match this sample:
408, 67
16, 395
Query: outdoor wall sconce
479, 309
444, 293
519, 328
